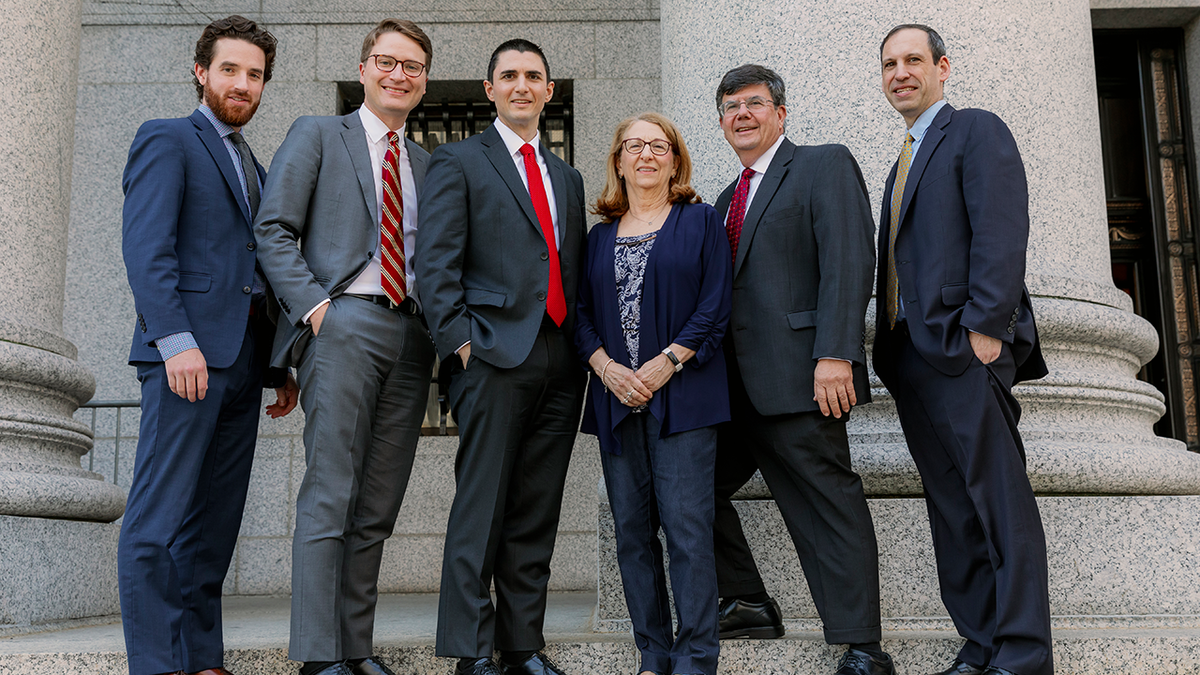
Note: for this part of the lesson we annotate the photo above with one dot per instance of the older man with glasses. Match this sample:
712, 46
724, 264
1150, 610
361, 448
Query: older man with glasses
800, 229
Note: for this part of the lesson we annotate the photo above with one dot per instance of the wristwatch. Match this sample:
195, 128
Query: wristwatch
674, 359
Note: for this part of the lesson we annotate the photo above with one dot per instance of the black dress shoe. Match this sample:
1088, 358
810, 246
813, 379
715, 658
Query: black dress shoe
855, 662
371, 666
538, 664
960, 667
998, 671
756, 620
484, 666
339, 668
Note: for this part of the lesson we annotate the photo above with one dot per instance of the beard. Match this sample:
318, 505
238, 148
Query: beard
226, 112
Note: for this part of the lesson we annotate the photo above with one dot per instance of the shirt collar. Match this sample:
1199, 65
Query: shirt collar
376, 130
763, 163
222, 129
514, 142
926, 118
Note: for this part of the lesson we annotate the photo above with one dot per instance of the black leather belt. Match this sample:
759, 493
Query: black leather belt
407, 306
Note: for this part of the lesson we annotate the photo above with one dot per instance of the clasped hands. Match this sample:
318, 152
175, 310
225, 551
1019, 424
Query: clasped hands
635, 388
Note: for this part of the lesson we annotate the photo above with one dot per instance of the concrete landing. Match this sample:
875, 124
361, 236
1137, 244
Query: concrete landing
256, 632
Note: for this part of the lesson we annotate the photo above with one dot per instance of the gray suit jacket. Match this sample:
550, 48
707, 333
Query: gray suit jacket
802, 276
320, 193
482, 262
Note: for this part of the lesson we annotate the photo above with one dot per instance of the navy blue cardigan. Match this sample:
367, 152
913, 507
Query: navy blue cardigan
686, 297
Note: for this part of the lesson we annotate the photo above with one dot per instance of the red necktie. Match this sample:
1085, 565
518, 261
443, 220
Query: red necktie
556, 302
737, 211
391, 227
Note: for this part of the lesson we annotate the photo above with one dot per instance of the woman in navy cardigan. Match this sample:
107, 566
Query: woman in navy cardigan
653, 307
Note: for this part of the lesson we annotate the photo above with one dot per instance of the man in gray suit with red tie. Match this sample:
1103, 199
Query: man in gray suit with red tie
499, 258
954, 332
346, 189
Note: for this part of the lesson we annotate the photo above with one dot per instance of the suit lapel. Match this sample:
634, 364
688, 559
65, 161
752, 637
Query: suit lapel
559, 183
360, 157
417, 161
220, 154
497, 153
762, 199
929, 143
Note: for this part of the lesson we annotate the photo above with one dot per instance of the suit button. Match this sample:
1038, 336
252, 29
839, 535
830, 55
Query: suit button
246, 289
1010, 329
541, 296
370, 254
250, 246
545, 256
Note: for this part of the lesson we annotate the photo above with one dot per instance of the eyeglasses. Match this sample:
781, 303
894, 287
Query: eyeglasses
754, 105
634, 146
387, 64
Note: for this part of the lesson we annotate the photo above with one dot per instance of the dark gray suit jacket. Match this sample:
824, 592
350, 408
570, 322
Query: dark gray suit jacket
321, 193
482, 262
802, 276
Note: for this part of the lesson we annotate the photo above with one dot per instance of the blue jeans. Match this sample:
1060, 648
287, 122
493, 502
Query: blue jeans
666, 482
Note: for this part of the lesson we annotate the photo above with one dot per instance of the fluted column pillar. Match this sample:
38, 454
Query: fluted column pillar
41, 383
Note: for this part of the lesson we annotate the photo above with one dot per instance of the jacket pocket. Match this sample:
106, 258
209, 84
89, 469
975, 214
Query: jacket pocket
195, 282
477, 296
955, 295
799, 320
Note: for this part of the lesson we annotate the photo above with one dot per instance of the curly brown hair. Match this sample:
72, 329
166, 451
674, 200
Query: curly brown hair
614, 201
238, 28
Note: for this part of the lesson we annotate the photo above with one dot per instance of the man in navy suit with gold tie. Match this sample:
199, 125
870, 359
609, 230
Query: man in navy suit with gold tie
954, 332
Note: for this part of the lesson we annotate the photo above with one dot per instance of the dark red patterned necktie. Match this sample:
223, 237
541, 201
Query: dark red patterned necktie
391, 227
737, 211
556, 301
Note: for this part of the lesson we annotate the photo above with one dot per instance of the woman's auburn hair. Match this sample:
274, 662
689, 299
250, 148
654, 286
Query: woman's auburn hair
614, 201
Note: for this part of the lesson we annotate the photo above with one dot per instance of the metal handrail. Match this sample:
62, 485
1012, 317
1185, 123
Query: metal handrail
96, 405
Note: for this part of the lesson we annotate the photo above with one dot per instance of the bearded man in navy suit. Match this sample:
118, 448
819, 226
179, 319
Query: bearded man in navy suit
954, 332
201, 346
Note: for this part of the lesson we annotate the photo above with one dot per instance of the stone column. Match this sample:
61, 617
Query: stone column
41, 384
1118, 536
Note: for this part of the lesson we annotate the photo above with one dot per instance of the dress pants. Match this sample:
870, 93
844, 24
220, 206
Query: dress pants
516, 427
666, 482
364, 386
805, 460
987, 532
183, 514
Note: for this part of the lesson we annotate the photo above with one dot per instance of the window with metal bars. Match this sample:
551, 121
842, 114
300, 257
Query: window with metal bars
455, 109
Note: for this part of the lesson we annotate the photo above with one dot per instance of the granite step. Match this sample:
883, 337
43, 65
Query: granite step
256, 632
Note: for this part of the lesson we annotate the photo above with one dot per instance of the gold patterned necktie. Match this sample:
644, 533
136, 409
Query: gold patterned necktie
893, 283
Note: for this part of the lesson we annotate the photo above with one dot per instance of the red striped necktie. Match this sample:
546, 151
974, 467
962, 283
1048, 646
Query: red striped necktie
391, 228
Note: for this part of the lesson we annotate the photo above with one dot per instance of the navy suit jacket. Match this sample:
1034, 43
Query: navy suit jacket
960, 247
187, 240
685, 299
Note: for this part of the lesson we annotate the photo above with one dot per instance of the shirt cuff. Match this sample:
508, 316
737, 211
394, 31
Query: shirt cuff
461, 346
833, 358
176, 343
312, 311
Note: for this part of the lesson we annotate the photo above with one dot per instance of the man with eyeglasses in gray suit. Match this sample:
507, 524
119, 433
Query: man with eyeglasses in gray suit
345, 189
